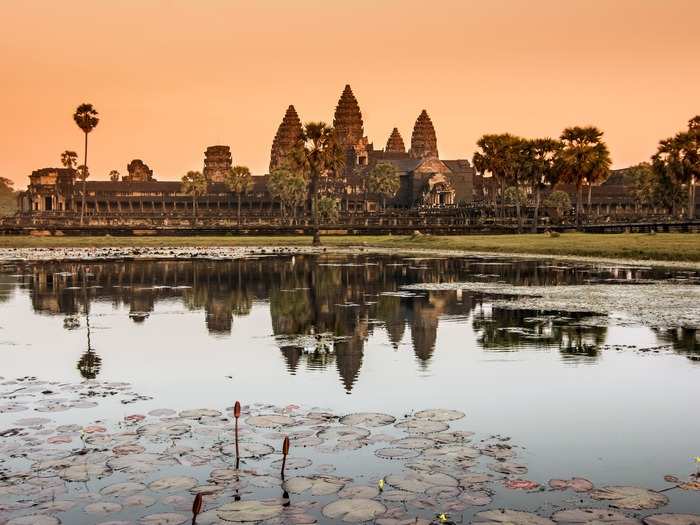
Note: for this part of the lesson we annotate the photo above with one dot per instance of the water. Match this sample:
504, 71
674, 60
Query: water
583, 394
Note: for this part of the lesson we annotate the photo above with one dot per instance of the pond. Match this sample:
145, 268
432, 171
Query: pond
119, 377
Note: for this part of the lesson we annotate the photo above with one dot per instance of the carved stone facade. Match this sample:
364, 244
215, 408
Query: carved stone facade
286, 137
217, 163
138, 171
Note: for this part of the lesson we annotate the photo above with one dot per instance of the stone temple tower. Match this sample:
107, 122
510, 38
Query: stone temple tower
395, 143
217, 162
287, 135
347, 120
423, 139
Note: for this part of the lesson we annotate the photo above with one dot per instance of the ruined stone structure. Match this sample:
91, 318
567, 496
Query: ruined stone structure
286, 137
217, 163
138, 171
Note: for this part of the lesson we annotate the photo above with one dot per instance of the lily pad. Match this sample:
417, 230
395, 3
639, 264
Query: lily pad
354, 510
593, 517
270, 421
119, 490
439, 414
34, 519
358, 491
575, 484
510, 517
422, 426
420, 482
172, 484
413, 443
672, 519
249, 511
164, 518
199, 413
102, 507
397, 453
247, 450
508, 467
367, 419
635, 498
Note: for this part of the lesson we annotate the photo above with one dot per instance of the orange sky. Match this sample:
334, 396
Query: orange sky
171, 77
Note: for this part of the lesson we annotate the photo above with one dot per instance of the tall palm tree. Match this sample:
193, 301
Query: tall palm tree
678, 157
541, 170
86, 118
496, 157
238, 180
583, 159
69, 159
114, 176
317, 154
195, 184
384, 179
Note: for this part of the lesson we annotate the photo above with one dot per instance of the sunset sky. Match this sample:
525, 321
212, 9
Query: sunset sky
171, 77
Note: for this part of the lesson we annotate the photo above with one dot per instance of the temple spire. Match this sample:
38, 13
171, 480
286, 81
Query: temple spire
287, 135
395, 143
347, 120
423, 139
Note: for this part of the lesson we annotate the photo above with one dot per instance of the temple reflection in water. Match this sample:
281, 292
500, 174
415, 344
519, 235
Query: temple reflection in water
323, 309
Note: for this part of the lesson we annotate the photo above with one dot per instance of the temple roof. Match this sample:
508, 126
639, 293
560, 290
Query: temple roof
287, 135
347, 120
395, 143
423, 139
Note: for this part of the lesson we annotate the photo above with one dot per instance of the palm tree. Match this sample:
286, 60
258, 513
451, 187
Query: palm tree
678, 157
86, 118
69, 159
496, 158
289, 187
195, 184
114, 176
583, 158
315, 155
384, 179
238, 180
541, 170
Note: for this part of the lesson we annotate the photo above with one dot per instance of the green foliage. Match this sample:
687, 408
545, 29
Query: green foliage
114, 176
194, 183
513, 195
287, 186
239, 180
69, 159
86, 118
328, 209
558, 200
383, 179
8, 198
83, 173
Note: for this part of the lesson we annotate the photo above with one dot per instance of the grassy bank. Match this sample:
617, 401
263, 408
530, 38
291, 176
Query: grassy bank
663, 246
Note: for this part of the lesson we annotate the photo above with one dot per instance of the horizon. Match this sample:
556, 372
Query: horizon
166, 76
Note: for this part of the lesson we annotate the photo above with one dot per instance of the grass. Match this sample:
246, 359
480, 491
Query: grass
662, 246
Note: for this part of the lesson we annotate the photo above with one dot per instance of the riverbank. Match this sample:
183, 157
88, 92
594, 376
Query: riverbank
663, 247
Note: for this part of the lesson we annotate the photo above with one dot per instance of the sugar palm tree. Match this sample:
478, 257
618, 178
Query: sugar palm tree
69, 159
678, 157
541, 170
195, 184
317, 154
583, 159
238, 180
384, 179
114, 176
496, 157
86, 118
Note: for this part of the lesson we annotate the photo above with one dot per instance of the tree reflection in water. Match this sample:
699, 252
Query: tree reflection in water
324, 308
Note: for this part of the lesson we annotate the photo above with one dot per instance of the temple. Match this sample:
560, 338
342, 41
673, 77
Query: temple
426, 180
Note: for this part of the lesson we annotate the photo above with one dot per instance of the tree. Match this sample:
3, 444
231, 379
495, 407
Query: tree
69, 159
8, 198
541, 170
494, 158
195, 184
86, 118
289, 187
559, 200
678, 158
583, 159
328, 209
114, 176
383, 179
238, 180
316, 155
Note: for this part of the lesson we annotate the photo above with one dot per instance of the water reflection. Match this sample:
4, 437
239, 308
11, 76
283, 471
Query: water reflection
323, 309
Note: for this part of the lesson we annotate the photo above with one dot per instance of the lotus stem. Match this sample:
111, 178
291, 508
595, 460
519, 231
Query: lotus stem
236, 415
197, 507
285, 451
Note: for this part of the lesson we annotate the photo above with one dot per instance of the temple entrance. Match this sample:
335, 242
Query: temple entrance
48, 203
438, 192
